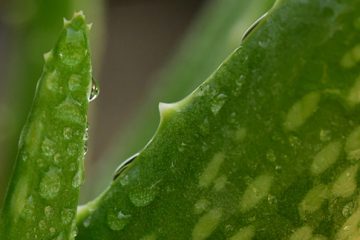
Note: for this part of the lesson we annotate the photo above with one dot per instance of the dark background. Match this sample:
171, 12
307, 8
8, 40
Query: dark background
138, 38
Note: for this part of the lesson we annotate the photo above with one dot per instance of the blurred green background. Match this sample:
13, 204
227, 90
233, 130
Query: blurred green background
143, 52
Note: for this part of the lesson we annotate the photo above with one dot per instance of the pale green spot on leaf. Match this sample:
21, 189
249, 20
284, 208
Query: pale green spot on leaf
245, 233
301, 111
352, 145
345, 185
211, 170
325, 158
207, 224
255, 192
303, 233
313, 200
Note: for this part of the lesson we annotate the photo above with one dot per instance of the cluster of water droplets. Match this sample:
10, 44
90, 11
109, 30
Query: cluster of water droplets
117, 220
50, 184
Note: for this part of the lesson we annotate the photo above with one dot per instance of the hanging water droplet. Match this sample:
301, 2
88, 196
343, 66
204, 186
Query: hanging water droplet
117, 221
95, 90
50, 184
252, 27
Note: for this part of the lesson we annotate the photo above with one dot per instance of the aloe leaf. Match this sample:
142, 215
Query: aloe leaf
33, 29
218, 30
266, 148
43, 193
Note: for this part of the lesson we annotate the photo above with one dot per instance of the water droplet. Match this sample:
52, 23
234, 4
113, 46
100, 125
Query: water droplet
205, 127
78, 179
218, 103
87, 222
348, 209
52, 230
124, 180
48, 147
28, 210
68, 133
52, 81
294, 141
142, 198
70, 111
72, 47
25, 157
201, 206
75, 82
95, 90
263, 44
41, 162
48, 211
117, 221
270, 155
67, 216
50, 184
73, 149
278, 168
57, 158
272, 199
42, 225
86, 139
182, 147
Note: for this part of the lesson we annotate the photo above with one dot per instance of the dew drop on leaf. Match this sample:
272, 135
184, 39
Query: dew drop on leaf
67, 216
95, 90
48, 211
142, 198
77, 179
50, 184
218, 103
68, 133
117, 220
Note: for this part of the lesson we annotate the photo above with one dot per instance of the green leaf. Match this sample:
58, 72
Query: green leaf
266, 148
43, 193
33, 28
218, 30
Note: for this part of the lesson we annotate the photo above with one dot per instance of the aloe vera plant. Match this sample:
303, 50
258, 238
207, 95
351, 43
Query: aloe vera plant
43, 194
266, 148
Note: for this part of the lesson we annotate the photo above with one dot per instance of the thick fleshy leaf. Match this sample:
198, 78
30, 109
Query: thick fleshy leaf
43, 193
266, 148
218, 31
